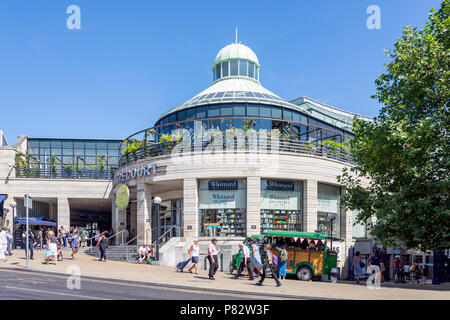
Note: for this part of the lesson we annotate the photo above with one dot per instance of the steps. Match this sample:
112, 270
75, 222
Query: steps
117, 253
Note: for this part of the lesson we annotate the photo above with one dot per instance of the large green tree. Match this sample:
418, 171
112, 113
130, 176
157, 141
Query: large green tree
404, 153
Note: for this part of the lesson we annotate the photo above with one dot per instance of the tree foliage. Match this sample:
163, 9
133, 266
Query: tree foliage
403, 154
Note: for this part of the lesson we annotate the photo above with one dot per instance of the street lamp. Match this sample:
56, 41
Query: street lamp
157, 201
13, 205
331, 217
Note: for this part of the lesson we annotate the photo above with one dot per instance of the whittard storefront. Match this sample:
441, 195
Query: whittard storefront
234, 161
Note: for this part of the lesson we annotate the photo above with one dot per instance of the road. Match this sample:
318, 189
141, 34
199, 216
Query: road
20, 285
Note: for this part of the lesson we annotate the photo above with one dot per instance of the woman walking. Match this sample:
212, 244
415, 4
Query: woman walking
102, 244
194, 253
356, 266
282, 262
256, 257
52, 247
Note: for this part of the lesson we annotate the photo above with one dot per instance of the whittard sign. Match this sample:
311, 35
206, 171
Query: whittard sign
222, 185
280, 185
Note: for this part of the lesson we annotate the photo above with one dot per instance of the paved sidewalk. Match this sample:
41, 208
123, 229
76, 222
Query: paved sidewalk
166, 276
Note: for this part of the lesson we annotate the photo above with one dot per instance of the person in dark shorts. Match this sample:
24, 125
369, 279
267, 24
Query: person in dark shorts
74, 240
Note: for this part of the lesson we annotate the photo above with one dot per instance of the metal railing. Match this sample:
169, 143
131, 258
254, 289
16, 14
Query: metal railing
64, 173
115, 235
283, 146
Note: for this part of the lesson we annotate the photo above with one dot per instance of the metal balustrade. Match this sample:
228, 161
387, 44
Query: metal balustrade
84, 173
281, 146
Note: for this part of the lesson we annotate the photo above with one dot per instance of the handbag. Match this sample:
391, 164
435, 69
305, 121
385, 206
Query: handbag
362, 264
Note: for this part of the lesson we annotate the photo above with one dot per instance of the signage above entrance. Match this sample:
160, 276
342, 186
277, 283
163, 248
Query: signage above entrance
280, 185
133, 173
222, 185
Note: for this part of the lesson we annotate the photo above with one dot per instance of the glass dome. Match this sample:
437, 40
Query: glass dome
236, 60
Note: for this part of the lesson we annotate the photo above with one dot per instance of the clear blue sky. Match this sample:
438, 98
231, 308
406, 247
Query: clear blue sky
133, 60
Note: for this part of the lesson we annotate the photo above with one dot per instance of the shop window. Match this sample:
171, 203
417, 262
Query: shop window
359, 230
281, 205
222, 208
328, 201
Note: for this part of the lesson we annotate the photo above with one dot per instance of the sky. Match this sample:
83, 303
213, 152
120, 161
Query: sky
133, 60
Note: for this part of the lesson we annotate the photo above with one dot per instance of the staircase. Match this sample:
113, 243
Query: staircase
127, 253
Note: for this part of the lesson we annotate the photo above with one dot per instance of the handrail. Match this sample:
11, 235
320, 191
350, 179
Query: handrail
168, 230
139, 234
122, 232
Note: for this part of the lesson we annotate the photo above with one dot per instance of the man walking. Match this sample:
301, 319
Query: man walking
3, 244
9, 238
64, 236
30, 243
212, 258
244, 262
268, 263
74, 240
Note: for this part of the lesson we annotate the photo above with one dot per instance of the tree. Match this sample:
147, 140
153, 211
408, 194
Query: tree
404, 152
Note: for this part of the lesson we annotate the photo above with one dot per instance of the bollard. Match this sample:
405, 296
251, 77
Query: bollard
221, 262
205, 262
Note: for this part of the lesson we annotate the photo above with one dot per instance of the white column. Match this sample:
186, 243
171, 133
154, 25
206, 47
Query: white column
144, 213
253, 205
190, 196
119, 221
310, 205
63, 218
346, 234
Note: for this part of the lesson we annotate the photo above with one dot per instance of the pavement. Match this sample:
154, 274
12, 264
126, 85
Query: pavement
166, 277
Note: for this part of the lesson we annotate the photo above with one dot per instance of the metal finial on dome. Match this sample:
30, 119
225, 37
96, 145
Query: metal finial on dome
236, 34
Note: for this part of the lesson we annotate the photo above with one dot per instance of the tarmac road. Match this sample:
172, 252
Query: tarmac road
20, 285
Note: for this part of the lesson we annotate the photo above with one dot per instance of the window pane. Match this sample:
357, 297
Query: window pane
239, 109
56, 144
181, 115
287, 114
233, 67
227, 110
101, 145
67, 144
243, 68
190, 113
173, 118
276, 113
225, 69
296, 116
213, 111
218, 71
251, 71
201, 112
265, 111
252, 110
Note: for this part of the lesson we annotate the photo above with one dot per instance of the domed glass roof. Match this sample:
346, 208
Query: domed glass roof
236, 51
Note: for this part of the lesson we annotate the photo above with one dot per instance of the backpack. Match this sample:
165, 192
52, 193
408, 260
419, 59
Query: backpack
283, 255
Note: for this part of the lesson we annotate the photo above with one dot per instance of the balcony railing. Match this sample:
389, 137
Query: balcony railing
64, 173
284, 146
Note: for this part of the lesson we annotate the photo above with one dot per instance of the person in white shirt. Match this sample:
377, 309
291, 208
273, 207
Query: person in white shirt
144, 252
245, 262
3, 244
194, 253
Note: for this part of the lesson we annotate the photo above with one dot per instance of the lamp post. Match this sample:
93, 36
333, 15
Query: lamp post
331, 217
13, 205
157, 201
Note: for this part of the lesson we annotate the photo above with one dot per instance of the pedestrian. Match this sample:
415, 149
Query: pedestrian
425, 273
415, 272
282, 262
3, 244
245, 262
212, 258
194, 253
356, 266
74, 240
30, 243
144, 253
64, 236
256, 257
52, 246
102, 244
406, 268
268, 264
9, 237
84, 236
376, 260
396, 268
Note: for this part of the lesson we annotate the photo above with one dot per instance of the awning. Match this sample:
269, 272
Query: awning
34, 221
3, 198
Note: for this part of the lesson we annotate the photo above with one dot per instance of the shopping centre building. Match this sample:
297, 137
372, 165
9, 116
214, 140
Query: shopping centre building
233, 161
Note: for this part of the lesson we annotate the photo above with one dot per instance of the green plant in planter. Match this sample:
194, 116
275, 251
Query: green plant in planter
336, 147
101, 162
132, 147
20, 160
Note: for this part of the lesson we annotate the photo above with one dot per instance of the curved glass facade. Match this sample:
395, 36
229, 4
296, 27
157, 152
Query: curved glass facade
297, 125
234, 68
